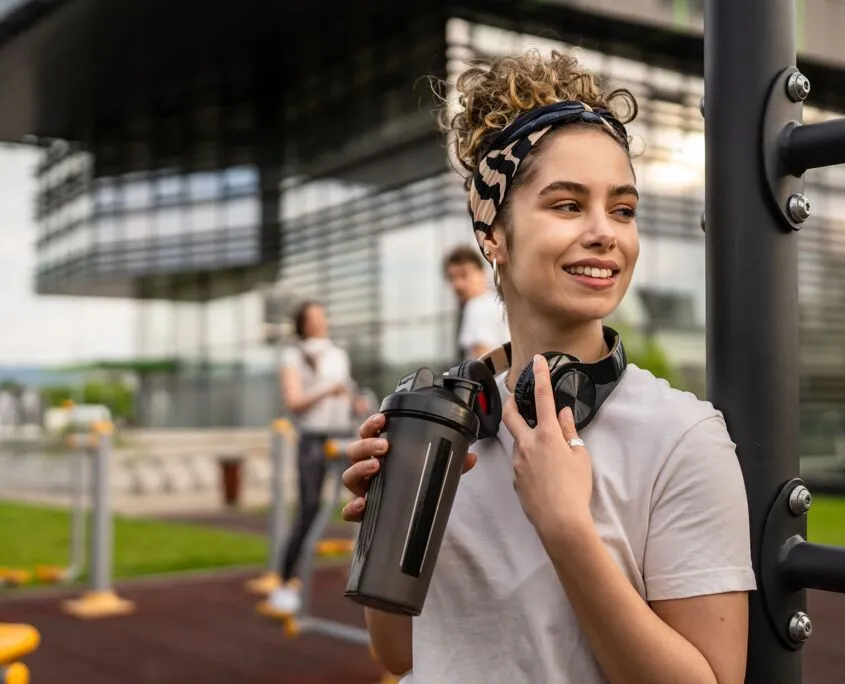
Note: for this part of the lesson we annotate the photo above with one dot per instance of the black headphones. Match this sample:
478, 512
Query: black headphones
583, 387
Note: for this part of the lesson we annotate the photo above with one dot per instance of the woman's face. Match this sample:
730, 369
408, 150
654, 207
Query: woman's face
575, 241
316, 324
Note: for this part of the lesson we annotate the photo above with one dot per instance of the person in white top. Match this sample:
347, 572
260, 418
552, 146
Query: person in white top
619, 555
320, 394
483, 323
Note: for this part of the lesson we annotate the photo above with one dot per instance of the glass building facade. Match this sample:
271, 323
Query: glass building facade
358, 212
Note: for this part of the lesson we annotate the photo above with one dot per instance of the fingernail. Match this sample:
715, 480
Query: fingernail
372, 465
537, 360
358, 503
380, 446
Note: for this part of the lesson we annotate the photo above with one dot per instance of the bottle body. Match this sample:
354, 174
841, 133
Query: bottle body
408, 506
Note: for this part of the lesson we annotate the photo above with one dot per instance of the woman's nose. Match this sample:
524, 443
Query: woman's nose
600, 231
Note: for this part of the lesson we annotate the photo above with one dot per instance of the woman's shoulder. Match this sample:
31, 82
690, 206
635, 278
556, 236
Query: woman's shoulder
656, 402
685, 434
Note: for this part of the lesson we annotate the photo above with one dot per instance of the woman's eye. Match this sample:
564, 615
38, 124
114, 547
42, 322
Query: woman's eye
627, 212
567, 206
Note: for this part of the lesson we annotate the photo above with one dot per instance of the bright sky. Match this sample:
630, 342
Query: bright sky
47, 330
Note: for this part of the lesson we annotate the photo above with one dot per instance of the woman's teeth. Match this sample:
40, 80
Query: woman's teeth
589, 271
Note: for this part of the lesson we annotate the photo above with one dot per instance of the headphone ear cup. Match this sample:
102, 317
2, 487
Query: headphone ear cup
523, 395
488, 404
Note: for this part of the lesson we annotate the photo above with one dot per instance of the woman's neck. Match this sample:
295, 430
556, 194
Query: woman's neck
584, 340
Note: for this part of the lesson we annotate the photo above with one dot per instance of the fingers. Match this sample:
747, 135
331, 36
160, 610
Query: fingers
356, 478
372, 426
362, 449
514, 422
354, 510
544, 401
470, 461
567, 424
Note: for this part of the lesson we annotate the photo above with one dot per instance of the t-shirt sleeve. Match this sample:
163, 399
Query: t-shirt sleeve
482, 324
291, 357
698, 540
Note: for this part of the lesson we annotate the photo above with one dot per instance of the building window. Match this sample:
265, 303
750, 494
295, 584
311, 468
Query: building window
105, 194
169, 221
241, 179
169, 187
203, 186
243, 212
137, 192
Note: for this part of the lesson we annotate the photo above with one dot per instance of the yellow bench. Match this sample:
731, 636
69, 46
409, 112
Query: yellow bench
16, 641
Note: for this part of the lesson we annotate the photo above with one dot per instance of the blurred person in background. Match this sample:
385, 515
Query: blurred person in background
482, 324
322, 397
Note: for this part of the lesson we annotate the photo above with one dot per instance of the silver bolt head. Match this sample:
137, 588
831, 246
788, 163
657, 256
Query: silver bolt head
800, 500
701, 105
800, 627
798, 207
798, 87
703, 222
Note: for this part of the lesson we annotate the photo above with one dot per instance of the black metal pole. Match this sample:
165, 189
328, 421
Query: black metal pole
752, 314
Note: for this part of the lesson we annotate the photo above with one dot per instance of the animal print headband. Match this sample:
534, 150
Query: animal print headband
502, 157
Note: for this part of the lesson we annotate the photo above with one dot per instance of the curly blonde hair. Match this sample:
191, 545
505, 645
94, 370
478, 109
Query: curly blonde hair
492, 93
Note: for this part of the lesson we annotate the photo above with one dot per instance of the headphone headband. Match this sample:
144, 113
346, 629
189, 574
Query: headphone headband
606, 369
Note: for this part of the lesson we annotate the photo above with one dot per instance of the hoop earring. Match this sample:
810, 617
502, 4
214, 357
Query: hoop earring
497, 279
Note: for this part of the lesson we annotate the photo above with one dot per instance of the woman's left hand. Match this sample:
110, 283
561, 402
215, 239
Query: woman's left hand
553, 480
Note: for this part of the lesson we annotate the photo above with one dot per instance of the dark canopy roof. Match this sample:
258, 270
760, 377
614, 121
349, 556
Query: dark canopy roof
67, 63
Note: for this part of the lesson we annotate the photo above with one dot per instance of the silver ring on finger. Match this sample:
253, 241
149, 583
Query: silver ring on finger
575, 442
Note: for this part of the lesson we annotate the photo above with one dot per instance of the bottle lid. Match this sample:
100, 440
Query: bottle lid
436, 404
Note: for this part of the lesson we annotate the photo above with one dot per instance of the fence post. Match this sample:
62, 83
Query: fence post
100, 600
283, 440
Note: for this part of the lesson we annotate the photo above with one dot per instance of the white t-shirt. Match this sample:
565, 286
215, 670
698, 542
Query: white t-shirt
332, 367
668, 501
484, 323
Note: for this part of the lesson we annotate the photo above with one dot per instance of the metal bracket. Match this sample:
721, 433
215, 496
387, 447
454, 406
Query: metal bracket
783, 529
781, 111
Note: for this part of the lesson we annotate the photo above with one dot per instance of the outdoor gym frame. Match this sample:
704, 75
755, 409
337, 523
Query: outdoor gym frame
757, 151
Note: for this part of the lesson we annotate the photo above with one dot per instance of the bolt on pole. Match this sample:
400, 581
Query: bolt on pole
752, 312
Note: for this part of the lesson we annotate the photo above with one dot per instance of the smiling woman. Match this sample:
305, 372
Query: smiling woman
620, 554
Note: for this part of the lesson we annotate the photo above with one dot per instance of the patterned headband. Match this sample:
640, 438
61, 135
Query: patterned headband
501, 159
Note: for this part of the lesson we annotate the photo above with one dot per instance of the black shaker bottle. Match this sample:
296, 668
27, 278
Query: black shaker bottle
430, 425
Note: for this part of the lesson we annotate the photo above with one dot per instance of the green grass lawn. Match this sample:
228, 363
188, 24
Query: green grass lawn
826, 520
37, 535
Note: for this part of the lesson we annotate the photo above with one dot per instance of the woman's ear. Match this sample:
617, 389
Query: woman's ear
495, 247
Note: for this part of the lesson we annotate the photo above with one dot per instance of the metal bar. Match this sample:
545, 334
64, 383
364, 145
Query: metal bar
78, 462
752, 315
282, 447
101, 536
812, 146
815, 566
277, 500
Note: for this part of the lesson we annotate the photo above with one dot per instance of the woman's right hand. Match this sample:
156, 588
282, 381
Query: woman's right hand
366, 454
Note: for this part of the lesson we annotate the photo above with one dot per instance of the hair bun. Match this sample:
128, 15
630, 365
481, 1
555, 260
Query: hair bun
492, 93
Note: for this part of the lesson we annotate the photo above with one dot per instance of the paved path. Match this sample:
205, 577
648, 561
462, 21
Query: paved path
192, 630
204, 630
